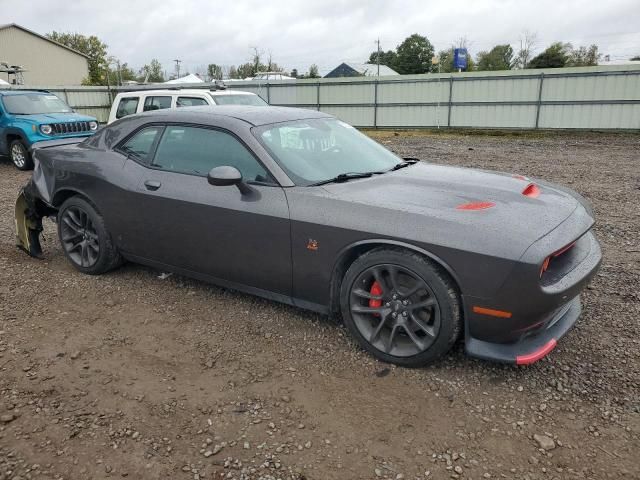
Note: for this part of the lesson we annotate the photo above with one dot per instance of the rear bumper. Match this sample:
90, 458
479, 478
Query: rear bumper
529, 349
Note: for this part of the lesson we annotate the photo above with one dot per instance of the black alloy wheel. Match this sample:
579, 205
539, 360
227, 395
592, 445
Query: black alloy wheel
400, 306
395, 310
79, 237
84, 238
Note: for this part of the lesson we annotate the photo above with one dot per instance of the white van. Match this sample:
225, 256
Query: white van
128, 103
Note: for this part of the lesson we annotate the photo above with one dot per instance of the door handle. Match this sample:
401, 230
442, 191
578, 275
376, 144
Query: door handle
152, 185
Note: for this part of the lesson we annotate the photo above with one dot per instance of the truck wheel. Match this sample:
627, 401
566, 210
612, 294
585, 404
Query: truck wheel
20, 155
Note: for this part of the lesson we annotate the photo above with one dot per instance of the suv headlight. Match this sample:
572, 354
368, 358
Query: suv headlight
93, 126
46, 129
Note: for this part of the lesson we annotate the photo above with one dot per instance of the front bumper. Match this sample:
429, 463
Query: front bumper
529, 317
529, 349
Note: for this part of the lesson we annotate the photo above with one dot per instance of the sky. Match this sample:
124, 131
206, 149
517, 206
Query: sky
298, 33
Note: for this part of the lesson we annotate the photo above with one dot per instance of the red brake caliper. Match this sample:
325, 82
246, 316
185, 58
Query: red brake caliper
376, 289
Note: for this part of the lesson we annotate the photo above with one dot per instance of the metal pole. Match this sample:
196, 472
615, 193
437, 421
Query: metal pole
450, 100
318, 95
378, 59
375, 104
539, 99
268, 92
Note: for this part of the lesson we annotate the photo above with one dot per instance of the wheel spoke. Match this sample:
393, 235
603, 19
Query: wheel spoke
75, 218
363, 309
70, 222
424, 327
414, 338
377, 274
426, 303
376, 333
71, 237
364, 294
393, 278
418, 285
84, 255
391, 338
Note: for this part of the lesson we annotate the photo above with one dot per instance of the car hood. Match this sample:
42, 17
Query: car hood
438, 191
45, 118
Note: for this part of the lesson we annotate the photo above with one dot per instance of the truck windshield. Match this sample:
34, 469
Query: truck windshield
34, 103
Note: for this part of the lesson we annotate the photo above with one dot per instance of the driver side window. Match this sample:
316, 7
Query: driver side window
197, 150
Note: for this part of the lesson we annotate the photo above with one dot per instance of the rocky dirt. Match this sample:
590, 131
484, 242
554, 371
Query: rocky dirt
135, 375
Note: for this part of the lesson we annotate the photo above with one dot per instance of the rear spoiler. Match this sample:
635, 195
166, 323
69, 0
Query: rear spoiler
56, 143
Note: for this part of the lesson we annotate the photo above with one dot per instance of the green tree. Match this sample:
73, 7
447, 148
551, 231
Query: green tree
499, 57
152, 72
214, 71
555, 56
387, 58
635, 59
313, 71
414, 55
584, 57
246, 70
124, 74
91, 46
294, 73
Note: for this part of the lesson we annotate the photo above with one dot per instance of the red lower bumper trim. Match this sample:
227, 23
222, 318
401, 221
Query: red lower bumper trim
536, 355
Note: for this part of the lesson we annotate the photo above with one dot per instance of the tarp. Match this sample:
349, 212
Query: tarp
191, 78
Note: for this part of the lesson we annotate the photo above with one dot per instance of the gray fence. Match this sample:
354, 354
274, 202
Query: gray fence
571, 98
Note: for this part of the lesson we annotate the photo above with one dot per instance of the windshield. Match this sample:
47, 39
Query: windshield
312, 151
253, 100
34, 103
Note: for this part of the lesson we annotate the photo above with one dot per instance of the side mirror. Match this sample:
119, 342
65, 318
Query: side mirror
225, 176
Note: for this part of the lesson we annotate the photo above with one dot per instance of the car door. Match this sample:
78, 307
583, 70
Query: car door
182, 221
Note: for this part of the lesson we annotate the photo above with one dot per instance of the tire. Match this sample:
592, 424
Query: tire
414, 328
84, 238
20, 156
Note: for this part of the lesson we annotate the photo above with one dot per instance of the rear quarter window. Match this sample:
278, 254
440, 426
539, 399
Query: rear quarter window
127, 106
190, 102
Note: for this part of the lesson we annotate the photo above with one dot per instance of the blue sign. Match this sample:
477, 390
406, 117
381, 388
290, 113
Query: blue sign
460, 58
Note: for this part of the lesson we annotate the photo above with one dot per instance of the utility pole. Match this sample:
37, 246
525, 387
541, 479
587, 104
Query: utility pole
378, 56
178, 62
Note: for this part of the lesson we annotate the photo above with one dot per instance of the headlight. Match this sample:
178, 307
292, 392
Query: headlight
93, 126
46, 129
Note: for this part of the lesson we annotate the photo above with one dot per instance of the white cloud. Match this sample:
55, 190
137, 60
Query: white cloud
325, 32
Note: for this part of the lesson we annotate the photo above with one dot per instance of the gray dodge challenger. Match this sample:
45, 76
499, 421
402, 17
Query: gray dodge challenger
299, 207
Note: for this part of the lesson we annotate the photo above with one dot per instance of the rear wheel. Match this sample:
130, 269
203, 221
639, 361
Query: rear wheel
20, 156
84, 238
400, 307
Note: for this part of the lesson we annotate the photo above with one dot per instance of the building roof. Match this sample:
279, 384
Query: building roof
367, 69
20, 27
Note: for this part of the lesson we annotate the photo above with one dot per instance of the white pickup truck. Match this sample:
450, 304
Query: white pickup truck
128, 103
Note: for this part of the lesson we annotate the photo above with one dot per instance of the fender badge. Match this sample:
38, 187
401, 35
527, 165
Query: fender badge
312, 245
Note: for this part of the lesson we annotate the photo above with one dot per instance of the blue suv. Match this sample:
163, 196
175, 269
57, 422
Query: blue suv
30, 116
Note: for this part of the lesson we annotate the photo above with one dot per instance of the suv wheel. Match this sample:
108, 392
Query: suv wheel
400, 307
20, 155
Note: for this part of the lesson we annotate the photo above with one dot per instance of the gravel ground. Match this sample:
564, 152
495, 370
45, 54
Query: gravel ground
135, 375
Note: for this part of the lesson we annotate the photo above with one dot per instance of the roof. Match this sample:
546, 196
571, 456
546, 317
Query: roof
20, 27
368, 69
191, 78
255, 116
22, 92
185, 91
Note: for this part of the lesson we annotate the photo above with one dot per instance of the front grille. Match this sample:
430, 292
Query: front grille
70, 127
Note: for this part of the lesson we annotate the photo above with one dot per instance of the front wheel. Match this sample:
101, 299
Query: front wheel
400, 307
84, 238
20, 156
